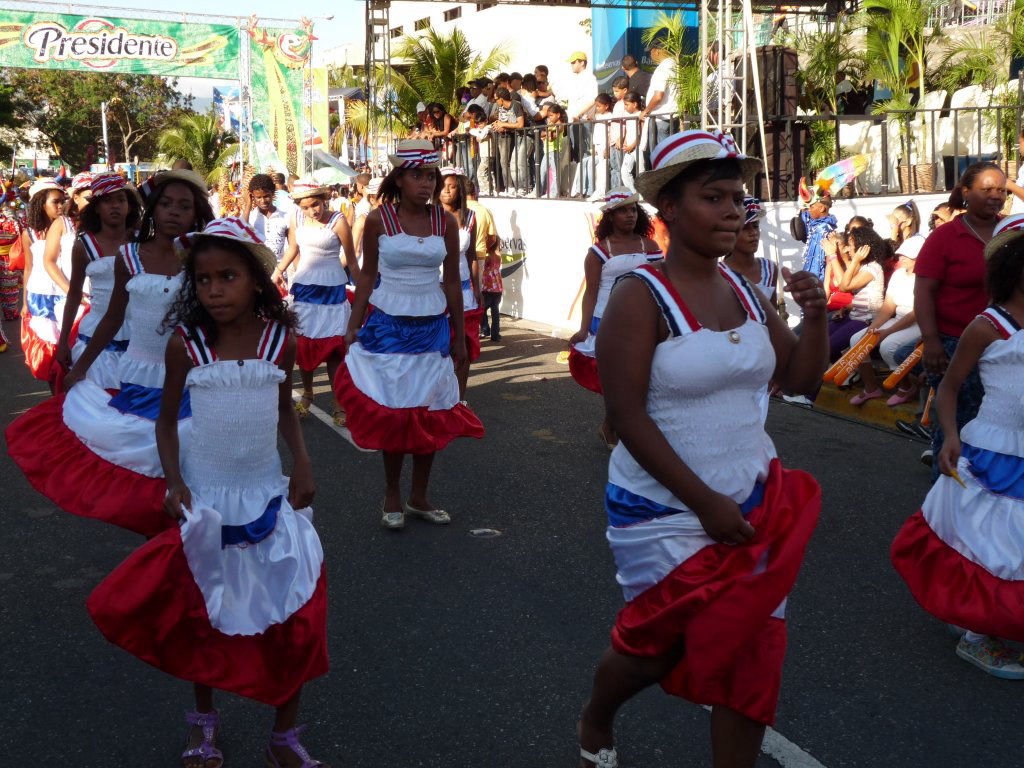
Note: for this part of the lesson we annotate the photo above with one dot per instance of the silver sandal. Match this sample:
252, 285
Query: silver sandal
605, 758
436, 516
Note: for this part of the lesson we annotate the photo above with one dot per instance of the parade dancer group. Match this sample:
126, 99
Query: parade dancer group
170, 338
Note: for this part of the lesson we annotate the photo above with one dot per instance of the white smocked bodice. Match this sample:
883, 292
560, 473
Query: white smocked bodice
614, 267
100, 274
704, 395
319, 253
999, 425
409, 268
149, 298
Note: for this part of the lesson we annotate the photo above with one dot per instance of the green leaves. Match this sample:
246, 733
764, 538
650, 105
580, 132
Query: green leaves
200, 140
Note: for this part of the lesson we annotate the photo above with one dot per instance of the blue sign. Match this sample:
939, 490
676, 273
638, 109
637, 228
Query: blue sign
618, 31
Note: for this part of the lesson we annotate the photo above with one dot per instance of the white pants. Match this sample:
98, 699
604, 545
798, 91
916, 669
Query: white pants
628, 164
892, 343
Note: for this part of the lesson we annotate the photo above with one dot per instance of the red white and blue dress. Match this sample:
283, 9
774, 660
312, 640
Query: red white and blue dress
45, 300
962, 553
725, 603
397, 384
471, 311
99, 275
318, 293
234, 598
769, 282
94, 454
582, 356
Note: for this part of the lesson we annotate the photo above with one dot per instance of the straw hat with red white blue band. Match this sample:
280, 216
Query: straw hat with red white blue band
373, 188
675, 154
754, 210
107, 183
1006, 230
415, 153
307, 187
81, 181
452, 170
234, 228
618, 197
43, 185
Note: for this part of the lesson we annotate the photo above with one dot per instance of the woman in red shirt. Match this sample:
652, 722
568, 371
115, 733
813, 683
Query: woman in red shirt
949, 291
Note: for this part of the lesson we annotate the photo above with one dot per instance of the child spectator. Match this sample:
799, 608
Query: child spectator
865, 279
481, 132
511, 145
630, 138
620, 87
603, 108
555, 160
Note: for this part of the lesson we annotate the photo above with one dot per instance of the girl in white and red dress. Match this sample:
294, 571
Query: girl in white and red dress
94, 454
707, 529
623, 243
234, 598
106, 224
322, 242
453, 198
962, 554
758, 270
397, 384
44, 298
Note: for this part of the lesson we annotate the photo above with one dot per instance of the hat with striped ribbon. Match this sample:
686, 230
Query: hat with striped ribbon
452, 170
617, 198
415, 153
1006, 230
234, 228
679, 151
754, 210
81, 181
107, 183
307, 186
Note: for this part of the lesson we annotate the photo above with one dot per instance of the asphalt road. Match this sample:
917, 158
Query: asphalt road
449, 649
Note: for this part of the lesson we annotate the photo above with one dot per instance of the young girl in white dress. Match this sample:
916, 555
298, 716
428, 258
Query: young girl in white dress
398, 385
623, 243
322, 242
453, 198
94, 454
233, 598
685, 350
759, 271
106, 224
962, 554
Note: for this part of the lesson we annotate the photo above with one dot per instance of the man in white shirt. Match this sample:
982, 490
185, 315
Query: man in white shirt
282, 200
580, 90
661, 96
268, 221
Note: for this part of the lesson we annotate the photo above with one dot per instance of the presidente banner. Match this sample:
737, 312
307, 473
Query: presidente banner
110, 44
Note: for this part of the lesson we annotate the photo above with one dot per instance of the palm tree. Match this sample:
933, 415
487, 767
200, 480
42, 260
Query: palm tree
433, 67
200, 140
671, 31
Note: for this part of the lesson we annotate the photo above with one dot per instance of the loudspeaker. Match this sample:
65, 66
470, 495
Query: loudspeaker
777, 66
785, 142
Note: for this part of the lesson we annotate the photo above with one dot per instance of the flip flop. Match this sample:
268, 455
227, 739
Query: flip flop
863, 397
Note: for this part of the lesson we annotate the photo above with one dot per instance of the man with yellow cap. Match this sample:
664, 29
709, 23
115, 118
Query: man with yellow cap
580, 89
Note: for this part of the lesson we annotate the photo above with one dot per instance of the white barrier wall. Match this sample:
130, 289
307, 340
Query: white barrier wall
544, 243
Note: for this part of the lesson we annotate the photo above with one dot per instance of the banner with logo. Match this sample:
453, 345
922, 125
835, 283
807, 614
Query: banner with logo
110, 44
317, 130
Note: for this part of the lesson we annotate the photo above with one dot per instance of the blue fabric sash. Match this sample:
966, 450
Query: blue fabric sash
254, 532
43, 305
595, 323
627, 508
319, 294
145, 402
116, 345
467, 284
998, 473
399, 335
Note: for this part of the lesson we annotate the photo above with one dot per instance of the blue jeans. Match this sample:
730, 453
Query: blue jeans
615, 164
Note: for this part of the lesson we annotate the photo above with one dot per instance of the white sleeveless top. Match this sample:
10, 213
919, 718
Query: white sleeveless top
465, 275
149, 298
40, 281
319, 253
614, 267
703, 383
100, 274
409, 267
999, 425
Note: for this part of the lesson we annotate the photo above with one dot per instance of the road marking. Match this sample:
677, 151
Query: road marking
327, 419
785, 752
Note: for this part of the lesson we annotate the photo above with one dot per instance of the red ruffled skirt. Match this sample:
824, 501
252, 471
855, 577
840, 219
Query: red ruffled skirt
584, 370
471, 329
401, 430
721, 610
311, 353
151, 607
63, 469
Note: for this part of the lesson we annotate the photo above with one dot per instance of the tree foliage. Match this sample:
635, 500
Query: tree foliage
64, 107
200, 140
672, 32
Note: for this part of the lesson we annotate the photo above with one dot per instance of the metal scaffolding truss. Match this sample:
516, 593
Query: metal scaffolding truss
379, 120
669, 6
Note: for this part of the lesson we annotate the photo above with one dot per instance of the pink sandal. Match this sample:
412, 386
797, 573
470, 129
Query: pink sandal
290, 739
902, 396
863, 397
206, 752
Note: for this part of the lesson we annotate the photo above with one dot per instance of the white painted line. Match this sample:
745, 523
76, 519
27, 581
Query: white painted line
785, 752
323, 416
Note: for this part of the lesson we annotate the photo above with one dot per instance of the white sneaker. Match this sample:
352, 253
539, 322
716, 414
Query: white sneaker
799, 400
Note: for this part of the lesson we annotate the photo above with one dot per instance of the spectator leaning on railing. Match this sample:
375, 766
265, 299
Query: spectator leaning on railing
510, 119
579, 92
661, 94
950, 288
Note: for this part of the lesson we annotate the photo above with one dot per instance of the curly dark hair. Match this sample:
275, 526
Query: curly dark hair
186, 310
203, 212
36, 218
1004, 270
881, 249
90, 218
643, 227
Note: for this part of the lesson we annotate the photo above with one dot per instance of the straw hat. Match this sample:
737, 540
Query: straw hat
617, 198
82, 180
234, 228
1008, 229
680, 150
43, 185
373, 188
307, 187
452, 170
107, 183
415, 153
754, 210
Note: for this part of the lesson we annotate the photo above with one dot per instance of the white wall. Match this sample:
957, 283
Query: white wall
550, 238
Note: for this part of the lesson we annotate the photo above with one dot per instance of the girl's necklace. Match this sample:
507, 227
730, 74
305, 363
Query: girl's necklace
974, 232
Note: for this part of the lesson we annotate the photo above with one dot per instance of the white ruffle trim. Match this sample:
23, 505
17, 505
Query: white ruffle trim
145, 373
993, 437
105, 369
320, 272
46, 329
468, 300
645, 553
587, 346
985, 528
122, 439
418, 301
404, 381
229, 374
248, 588
321, 321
